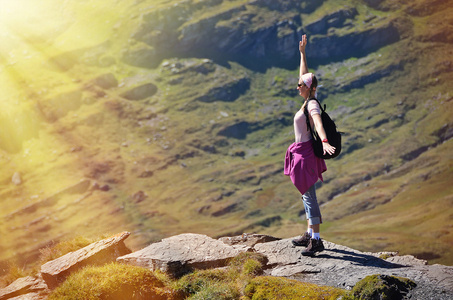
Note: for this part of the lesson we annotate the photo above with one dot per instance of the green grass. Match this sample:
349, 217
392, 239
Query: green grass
113, 281
267, 288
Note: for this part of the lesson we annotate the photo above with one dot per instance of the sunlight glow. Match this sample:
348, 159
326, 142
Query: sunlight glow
32, 34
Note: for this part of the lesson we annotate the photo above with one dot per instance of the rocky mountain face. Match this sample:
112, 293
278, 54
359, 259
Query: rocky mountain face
178, 116
258, 33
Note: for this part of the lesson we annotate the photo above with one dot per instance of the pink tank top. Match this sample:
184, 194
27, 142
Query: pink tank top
300, 124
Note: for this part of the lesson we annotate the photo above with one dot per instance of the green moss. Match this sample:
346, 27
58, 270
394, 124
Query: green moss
224, 283
252, 267
244, 257
385, 256
113, 281
382, 286
209, 284
270, 288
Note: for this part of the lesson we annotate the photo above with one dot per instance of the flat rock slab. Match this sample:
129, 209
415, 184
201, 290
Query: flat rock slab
343, 267
30, 285
181, 254
55, 272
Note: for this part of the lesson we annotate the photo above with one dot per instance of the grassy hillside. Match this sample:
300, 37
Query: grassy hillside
162, 117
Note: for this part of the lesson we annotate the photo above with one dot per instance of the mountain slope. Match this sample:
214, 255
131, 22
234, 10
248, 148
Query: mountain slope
162, 117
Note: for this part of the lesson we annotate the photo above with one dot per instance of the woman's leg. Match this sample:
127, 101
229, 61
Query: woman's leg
312, 210
314, 228
314, 218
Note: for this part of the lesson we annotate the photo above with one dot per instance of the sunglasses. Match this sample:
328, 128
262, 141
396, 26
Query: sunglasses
301, 84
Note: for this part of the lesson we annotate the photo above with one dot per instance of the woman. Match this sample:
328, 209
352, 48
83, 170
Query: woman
301, 164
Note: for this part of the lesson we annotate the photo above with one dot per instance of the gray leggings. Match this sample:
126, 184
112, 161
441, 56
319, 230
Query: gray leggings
311, 205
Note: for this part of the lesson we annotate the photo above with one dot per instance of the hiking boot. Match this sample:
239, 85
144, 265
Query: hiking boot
304, 240
313, 247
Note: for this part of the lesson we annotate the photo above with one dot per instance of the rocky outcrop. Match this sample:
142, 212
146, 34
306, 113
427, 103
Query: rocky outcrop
218, 83
344, 267
182, 254
240, 33
339, 266
229, 92
305, 6
56, 271
335, 19
353, 44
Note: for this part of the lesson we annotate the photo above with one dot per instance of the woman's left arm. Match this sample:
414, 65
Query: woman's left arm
322, 134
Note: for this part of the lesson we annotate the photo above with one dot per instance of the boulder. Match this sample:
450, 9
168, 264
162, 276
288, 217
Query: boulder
140, 92
383, 287
182, 254
56, 271
106, 81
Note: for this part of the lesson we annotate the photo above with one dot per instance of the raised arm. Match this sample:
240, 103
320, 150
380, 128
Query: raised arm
303, 57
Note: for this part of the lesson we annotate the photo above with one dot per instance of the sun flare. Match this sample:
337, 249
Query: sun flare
32, 34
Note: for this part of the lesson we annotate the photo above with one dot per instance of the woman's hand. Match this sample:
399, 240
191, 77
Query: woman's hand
328, 148
303, 43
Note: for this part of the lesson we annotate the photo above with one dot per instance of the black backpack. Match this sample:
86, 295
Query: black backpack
333, 136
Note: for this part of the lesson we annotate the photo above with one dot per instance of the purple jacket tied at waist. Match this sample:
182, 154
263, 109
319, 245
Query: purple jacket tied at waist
303, 167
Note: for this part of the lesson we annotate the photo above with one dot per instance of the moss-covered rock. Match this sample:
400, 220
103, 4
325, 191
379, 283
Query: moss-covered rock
380, 287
